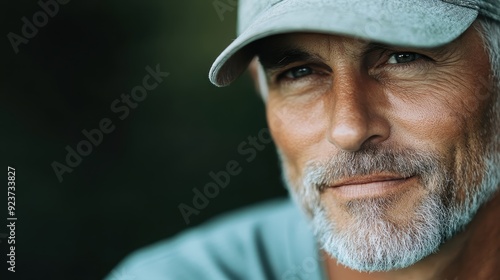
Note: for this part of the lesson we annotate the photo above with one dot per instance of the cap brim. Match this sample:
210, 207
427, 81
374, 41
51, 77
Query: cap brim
427, 23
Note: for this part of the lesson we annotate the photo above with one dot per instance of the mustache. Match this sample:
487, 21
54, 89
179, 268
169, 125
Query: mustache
370, 161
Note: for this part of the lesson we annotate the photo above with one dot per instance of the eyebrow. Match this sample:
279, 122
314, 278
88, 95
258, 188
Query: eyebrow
274, 58
278, 58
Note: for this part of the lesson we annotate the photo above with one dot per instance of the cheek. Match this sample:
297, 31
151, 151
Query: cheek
297, 129
437, 114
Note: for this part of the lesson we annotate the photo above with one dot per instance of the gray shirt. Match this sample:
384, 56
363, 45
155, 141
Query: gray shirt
269, 241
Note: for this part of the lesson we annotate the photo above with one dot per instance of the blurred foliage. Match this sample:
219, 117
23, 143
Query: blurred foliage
126, 193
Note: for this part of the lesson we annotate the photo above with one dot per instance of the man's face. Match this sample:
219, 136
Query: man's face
389, 149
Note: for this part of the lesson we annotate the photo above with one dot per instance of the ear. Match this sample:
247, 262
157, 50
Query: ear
253, 68
259, 77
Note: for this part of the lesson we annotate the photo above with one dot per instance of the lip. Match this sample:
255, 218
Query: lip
372, 185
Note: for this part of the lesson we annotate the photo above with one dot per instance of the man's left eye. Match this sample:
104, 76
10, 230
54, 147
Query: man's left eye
405, 57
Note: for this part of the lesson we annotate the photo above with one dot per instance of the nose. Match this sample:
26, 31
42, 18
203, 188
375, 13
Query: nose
356, 115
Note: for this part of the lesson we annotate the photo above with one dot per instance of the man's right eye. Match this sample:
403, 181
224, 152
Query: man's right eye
297, 72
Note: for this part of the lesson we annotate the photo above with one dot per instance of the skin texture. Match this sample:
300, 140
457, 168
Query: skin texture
348, 94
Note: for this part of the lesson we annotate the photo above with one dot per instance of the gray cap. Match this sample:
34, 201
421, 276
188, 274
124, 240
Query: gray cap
412, 23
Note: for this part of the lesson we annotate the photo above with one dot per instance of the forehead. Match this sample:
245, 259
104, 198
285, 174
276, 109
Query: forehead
308, 46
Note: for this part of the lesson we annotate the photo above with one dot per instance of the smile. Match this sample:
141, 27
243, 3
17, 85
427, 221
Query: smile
371, 186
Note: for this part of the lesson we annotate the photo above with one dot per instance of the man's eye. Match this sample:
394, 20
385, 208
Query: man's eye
408, 57
298, 72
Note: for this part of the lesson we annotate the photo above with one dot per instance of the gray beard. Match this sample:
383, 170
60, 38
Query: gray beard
372, 242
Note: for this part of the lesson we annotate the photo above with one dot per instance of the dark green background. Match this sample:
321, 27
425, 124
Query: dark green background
126, 193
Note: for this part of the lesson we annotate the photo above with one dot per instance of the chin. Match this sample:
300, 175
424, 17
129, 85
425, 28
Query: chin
392, 228
367, 238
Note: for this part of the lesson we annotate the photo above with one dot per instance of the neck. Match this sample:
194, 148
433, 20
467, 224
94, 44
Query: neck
472, 254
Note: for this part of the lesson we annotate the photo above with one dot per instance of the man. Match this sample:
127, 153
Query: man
385, 115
